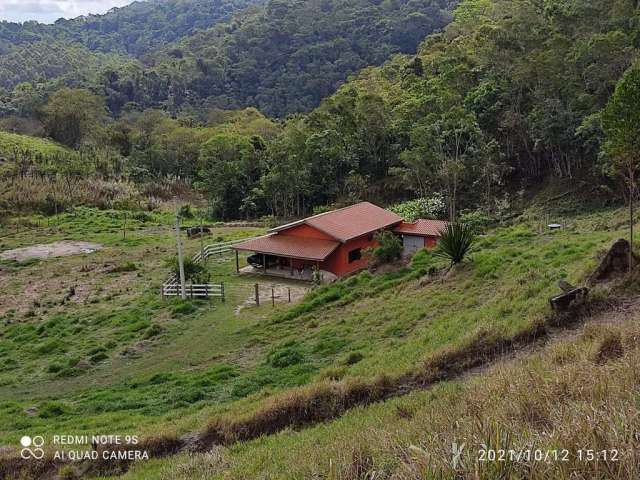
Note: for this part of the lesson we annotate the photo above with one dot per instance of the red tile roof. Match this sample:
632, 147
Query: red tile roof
289, 246
348, 222
422, 228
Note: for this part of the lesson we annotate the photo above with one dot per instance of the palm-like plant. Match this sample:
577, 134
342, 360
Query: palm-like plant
455, 242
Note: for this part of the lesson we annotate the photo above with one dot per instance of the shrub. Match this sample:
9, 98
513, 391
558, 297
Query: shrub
286, 355
185, 211
193, 271
52, 409
477, 220
410, 211
456, 242
183, 308
389, 248
353, 358
153, 331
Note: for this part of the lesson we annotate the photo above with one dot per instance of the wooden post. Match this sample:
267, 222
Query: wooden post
273, 297
257, 290
202, 257
237, 263
631, 194
124, 227
289, 290
206, 290
222, 290
183, 293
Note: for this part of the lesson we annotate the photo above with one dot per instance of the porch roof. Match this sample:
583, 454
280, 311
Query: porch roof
289, 246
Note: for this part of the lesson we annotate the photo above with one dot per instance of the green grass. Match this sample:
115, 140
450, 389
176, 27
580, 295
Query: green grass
10, 142
155, 366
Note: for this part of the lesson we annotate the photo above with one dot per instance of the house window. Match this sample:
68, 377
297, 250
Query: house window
355, 255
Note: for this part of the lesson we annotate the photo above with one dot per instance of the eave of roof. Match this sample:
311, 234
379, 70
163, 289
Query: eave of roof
422, 227
289, 246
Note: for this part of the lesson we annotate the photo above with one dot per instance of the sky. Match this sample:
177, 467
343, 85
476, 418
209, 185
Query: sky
48, 11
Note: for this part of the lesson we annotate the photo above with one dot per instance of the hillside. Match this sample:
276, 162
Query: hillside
165, 368
10, 143
137, 29
282, 57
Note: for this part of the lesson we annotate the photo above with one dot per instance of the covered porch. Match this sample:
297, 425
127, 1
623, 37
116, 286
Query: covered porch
305, 275
286, 256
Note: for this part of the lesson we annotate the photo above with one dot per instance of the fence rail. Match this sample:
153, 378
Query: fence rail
171, 287
205, 290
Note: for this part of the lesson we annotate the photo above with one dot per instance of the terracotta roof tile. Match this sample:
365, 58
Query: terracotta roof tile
289, 246
349, 222
421, 227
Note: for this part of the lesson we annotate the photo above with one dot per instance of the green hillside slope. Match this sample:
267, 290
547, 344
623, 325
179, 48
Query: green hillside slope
164, 368
10, 142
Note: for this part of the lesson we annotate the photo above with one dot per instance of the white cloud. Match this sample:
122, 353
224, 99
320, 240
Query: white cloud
50, 10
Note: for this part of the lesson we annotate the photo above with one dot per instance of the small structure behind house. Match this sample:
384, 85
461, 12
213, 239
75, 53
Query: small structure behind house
419, 234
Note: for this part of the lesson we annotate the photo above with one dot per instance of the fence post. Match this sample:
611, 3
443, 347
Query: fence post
289, 290
273, 297
206, 290
222, 290
257, 294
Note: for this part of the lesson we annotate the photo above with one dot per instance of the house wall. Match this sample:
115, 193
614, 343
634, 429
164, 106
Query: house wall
338, 261
430, 242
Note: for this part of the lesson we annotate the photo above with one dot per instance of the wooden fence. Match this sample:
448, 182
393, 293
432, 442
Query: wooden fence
205, 290
171, 287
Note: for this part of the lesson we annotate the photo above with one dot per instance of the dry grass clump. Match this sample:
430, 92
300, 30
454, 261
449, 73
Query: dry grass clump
536, 404
50, 195
54, 194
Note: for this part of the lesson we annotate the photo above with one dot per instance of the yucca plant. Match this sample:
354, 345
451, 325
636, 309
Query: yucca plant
455, 242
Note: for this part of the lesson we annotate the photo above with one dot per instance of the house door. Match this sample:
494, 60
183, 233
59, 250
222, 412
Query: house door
411, 244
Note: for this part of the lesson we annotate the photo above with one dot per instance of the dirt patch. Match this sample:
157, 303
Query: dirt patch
270, 294
56, 249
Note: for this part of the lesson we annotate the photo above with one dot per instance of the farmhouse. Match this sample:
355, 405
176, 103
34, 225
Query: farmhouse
333, 242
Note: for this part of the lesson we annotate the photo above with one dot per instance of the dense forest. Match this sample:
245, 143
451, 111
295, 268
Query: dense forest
136, 29
187, 56
510, 92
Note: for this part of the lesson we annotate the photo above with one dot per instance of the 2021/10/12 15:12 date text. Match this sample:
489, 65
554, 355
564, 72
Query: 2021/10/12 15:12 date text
542, 455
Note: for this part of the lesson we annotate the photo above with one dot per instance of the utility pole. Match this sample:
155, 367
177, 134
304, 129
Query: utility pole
183, 288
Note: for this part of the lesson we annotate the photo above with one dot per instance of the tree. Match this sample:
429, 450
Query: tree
73, 116
621, 125
229, 169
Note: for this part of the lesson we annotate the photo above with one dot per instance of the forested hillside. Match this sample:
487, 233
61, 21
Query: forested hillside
283, 57
288, 56
136, 29
510, 92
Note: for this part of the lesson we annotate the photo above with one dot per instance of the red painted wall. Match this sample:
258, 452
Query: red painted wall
430, 242
338, 261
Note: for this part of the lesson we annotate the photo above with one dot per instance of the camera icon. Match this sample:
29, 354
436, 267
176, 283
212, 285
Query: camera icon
32, 447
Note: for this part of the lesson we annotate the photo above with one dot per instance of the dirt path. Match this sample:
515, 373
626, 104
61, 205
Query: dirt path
50, 250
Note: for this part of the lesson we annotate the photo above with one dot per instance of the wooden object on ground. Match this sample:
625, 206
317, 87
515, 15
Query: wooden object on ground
568, 297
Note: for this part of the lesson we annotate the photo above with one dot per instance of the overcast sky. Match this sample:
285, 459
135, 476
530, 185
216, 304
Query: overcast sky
49, 11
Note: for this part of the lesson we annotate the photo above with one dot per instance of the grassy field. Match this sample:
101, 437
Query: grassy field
10, 142
116, 358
